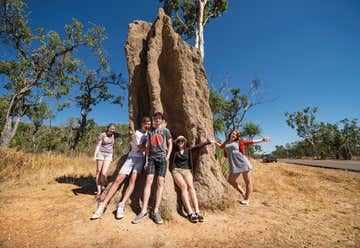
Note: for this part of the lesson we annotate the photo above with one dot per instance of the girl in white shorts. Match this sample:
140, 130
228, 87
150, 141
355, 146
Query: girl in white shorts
104, 155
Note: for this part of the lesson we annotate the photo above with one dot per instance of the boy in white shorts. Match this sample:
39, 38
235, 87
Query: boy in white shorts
133, 164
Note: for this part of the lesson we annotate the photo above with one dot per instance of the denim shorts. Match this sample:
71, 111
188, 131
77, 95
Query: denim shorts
157, 166
134, 164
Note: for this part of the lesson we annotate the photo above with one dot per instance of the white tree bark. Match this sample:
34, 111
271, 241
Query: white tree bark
196, 37
8, 132
200, 25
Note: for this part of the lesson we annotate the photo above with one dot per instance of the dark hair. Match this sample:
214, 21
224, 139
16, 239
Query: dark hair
238, 136
176, 147
108, 126
145, 119
158, 114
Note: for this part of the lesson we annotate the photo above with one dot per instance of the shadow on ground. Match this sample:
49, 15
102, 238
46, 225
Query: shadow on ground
86, 184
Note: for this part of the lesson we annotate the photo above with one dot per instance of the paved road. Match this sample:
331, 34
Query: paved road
335, 164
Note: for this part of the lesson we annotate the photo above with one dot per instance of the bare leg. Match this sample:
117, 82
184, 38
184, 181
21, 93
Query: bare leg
248, 184
114, 187
192, 192
147, 190
104, 171
180, 182
232, 180
159, 191
99, 164
130, 187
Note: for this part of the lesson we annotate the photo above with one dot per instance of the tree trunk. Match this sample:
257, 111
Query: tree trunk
79, 132
196, 37
200, 23
33, 138
8, 132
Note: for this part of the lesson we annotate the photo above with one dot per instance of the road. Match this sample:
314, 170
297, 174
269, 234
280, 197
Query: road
334, 164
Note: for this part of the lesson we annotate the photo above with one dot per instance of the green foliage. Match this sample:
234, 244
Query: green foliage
44, 65
299, 149
3, 107
58, 138
229, 106
39, 113
251, 130
93, 90
217, 103
323, 140
185, 14
191, 16
303, 122
232, 112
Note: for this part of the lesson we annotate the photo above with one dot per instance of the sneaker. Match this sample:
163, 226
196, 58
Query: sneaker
99, 211
157, 218
138, 218
192, 218
244, 203
120, 211
200, 217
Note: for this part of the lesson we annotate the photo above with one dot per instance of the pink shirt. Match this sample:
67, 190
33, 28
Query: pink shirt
107, 142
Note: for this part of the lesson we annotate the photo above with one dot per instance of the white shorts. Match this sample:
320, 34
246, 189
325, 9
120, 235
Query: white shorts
134, 164
103, 156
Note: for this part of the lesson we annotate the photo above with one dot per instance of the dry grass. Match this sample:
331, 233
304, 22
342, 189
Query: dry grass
292, 206
17, 168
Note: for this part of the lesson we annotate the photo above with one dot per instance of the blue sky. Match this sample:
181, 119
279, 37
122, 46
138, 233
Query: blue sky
306, 53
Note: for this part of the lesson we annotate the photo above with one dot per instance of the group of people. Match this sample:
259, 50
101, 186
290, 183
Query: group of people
152, 149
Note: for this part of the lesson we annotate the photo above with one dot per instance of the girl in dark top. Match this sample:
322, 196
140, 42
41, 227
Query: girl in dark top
182, 165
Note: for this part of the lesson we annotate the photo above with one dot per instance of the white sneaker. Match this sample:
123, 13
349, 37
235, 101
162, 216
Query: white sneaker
120, 211
244, 203
99, 211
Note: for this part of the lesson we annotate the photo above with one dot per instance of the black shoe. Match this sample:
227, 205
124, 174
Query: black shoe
192, 218
200, 217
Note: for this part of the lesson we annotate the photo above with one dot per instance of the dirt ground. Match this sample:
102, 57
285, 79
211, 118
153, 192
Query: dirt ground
292, 206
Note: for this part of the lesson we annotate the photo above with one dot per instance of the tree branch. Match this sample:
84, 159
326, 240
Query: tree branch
181, 21
207, 18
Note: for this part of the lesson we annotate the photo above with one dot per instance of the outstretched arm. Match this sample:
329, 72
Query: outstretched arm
265, 139
125, 135
222, 146
200, 145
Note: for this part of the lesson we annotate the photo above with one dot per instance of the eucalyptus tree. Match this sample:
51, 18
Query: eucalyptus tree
230, 106
191, 16
38, 114
41, 63
239, 104
96, 88
217, 103
303, 121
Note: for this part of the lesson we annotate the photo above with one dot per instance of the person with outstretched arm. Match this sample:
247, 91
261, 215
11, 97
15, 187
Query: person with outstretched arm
183, 176
234, 150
